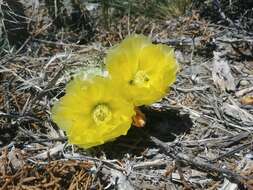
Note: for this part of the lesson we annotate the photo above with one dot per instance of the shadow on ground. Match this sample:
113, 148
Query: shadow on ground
164, 125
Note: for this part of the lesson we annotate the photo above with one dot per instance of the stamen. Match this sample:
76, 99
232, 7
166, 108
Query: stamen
140, 78
101, 114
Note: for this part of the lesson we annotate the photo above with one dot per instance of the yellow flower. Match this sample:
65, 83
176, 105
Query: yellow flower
144, 71
92, 113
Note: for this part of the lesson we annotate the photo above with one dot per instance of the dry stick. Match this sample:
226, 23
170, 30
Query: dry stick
18, 117
235, 139
180, 172
200, 164
148, 164
14, 55
218, 142
231, 152
168, 150
61, 139
199, 114
243, 91
200, 88
51, 83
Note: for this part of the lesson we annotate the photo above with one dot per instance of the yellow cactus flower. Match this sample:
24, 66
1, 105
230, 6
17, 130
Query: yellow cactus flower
144, 71
92, 113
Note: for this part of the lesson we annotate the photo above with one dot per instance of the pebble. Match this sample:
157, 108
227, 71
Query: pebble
244, 82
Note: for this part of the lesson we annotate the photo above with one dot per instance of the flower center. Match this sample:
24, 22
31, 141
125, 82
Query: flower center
140, 78
101, 114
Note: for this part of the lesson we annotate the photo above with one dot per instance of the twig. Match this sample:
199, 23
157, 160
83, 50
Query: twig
243, 91
180, 172
18, 117
168, 150
148, 164
217, 142
200, 88
235, 139
200, 164
231, 152
199, 114
50, 84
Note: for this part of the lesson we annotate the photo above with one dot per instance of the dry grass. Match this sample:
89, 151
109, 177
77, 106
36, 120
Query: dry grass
198, 137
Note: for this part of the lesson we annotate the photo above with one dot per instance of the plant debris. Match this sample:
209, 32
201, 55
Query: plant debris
198, 137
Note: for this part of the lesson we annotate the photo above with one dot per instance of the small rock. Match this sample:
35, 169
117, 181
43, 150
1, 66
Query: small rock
244, 82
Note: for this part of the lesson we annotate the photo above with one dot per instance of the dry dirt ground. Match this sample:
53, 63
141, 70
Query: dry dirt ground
198, 137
